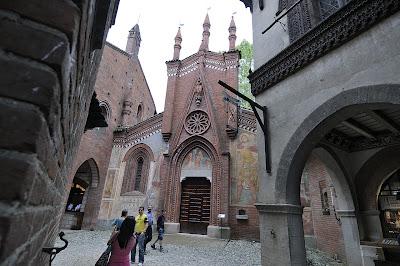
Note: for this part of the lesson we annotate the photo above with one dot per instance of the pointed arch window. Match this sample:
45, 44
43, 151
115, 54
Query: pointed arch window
136, 174
139, 113
139, 170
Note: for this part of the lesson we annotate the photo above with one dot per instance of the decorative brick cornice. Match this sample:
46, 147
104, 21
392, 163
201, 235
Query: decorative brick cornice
247, 120
215, 61
117, 49
128, 136
348, 22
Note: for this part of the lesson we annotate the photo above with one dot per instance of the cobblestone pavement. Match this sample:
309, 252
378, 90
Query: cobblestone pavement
86, 246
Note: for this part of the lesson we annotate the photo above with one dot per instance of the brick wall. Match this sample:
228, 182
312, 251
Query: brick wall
327, 230
47, 72
120, 78
244, 229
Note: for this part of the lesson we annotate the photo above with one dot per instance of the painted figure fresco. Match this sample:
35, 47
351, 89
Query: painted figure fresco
197, 159
245, 182
109, 184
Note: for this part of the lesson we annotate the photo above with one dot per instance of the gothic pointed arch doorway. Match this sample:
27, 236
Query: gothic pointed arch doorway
196, 158
196, 178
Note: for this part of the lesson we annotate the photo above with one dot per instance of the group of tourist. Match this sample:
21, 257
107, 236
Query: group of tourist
131, 232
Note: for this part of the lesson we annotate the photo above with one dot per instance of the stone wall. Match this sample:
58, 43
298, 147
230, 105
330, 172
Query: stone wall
48, 67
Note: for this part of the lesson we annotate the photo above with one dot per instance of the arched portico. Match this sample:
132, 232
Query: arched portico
280, 214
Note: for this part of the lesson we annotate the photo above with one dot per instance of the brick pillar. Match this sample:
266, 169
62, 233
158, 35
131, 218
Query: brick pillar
48, 63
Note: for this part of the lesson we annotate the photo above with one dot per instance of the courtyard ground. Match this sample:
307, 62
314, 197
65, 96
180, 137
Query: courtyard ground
85, 247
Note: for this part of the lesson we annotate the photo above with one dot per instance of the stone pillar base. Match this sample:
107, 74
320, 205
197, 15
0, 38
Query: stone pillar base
371, 253
281, 234
172, 228
218, 232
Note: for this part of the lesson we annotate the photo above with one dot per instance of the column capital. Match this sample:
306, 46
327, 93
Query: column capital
370, 213
346, 213
279, 208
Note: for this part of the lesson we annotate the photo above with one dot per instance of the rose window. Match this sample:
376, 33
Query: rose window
197, 122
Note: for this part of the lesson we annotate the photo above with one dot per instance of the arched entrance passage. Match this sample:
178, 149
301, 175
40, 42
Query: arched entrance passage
377, 184
333, 219
281, 216
85, 180
389, 207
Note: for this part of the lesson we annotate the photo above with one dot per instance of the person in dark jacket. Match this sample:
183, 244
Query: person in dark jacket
160, 230
149, 230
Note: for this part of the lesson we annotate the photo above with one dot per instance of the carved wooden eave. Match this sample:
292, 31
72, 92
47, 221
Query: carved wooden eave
342, 26
360, 144
248, 3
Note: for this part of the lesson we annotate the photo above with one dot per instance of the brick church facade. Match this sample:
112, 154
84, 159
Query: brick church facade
198, 159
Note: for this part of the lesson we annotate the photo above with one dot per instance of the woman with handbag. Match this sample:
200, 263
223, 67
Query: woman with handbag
122, 242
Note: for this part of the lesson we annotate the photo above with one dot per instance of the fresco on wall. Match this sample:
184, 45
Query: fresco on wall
197, 159
245, 177
153, 191
109, 184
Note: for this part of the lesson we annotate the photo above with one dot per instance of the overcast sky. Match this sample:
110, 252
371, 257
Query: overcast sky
159, 21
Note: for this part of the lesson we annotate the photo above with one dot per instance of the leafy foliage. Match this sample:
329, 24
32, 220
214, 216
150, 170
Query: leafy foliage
246, 50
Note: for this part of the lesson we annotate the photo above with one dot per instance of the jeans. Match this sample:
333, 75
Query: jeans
149, 236
139, 240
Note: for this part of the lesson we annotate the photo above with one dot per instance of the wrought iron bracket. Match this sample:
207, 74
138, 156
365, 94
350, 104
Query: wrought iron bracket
53, 251
262, 122
280, 17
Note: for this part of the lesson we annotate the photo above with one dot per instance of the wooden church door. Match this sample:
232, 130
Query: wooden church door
195, 205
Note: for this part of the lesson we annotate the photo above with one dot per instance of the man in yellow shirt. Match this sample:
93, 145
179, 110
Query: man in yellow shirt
140, 230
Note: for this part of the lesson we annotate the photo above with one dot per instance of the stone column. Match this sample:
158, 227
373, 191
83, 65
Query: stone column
351, 236
281, 234
371, 225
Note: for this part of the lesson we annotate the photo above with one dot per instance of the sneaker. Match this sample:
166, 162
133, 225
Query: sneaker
153, 246
140, 264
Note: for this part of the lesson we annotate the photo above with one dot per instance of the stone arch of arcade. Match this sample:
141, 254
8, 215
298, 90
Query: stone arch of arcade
173, 188
283, 205
80, 211
369, 180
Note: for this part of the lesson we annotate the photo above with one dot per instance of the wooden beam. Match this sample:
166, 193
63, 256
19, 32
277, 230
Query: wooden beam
360, 129
385, 121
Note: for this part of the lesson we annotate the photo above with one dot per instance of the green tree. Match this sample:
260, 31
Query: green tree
246, 61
